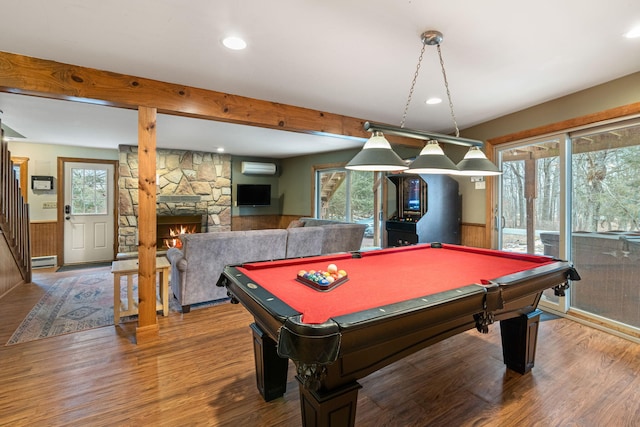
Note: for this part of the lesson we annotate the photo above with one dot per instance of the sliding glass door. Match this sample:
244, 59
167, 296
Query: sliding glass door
606, 222
530, 208
575, 196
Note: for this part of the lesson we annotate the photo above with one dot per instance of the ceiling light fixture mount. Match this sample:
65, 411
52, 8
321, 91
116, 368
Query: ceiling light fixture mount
432, 37
431, 159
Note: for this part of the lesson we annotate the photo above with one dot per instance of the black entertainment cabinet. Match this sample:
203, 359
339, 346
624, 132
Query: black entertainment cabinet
428, 209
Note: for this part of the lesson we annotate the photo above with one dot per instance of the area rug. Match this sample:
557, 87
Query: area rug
72, 303
77, 303
74, 267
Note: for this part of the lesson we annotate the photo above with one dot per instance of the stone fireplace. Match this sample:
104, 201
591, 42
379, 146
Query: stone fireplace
169, 228
189, 183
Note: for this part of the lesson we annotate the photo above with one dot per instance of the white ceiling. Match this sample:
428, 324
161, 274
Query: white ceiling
349, 57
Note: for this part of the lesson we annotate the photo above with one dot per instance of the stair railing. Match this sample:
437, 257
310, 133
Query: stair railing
14, 213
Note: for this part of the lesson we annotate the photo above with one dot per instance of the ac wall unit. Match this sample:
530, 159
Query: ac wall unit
257, 168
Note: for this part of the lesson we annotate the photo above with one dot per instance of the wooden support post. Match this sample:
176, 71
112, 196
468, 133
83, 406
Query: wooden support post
147, 322
530, 193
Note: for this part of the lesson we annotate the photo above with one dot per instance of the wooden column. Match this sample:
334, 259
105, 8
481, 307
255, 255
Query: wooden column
530, 179
147, 322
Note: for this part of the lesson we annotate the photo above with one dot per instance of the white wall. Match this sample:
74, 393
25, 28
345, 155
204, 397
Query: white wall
43, 160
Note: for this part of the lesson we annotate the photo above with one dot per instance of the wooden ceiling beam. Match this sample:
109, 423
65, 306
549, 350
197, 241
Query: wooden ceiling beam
43, 78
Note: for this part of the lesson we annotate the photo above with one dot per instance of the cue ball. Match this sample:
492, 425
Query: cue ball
332, 268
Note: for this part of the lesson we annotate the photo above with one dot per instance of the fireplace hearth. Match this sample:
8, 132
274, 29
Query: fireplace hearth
169, 227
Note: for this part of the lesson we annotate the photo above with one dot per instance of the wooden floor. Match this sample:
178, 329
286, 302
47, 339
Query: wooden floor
199, 372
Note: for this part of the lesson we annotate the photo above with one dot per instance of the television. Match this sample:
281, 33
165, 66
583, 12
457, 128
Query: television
253, 194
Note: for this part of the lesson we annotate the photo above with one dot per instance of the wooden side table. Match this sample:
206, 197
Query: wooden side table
128, 268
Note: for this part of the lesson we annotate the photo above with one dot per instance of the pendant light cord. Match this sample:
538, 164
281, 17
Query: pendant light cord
446, 85
413, 85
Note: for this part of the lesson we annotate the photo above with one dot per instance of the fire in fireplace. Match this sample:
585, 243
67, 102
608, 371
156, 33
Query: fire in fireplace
169, 228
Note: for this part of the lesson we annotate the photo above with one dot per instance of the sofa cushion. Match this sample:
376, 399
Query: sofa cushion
342, 237
304, 241
206, 254
315, 222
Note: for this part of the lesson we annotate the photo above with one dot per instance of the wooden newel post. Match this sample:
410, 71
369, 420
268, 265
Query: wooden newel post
147, 321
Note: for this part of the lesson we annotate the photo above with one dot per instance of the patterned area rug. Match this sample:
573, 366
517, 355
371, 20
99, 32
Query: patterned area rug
77, 303
73, 303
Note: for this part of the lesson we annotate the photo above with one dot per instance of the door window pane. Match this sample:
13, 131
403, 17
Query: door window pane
88, 191
530, 204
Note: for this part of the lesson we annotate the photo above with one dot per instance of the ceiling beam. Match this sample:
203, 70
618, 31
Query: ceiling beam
44, 78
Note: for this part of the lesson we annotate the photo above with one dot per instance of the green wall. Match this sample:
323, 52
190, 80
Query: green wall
296, 179
291, 186
237, 177
616, 93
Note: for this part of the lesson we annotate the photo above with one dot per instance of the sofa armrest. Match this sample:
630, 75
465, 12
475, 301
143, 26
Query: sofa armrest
175, 256
178, 270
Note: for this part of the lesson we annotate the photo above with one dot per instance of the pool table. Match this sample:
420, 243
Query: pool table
393, 302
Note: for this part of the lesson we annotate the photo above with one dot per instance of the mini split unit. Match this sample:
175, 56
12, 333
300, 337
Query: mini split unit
256, 168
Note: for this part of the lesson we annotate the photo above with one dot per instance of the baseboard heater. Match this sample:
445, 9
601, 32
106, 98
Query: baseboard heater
44, 261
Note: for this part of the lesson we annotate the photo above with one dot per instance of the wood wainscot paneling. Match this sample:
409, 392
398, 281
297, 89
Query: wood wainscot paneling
473, 235
261, 222
285, 220
44, 235
9, 272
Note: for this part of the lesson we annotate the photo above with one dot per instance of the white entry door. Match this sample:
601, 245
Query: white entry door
88, 212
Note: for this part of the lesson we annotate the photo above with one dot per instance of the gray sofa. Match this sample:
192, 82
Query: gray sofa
196, 267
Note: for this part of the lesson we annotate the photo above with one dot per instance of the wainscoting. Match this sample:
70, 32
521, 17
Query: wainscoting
9, 272
261, 222
44, 235
474, 235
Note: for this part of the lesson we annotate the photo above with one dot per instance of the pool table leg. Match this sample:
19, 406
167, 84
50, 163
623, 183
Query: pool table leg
519, 338
271, 369
329, 408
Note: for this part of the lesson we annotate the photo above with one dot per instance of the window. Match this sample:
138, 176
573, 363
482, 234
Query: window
344, 195
530, 202
88, 191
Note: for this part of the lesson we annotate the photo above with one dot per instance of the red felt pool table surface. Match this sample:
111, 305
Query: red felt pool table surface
385, 276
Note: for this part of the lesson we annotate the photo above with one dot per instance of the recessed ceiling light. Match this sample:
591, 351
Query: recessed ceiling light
220, 150
634, 33
433, 101
234, 43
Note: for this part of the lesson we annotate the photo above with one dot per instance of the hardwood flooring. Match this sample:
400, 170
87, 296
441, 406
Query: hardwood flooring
199, 372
